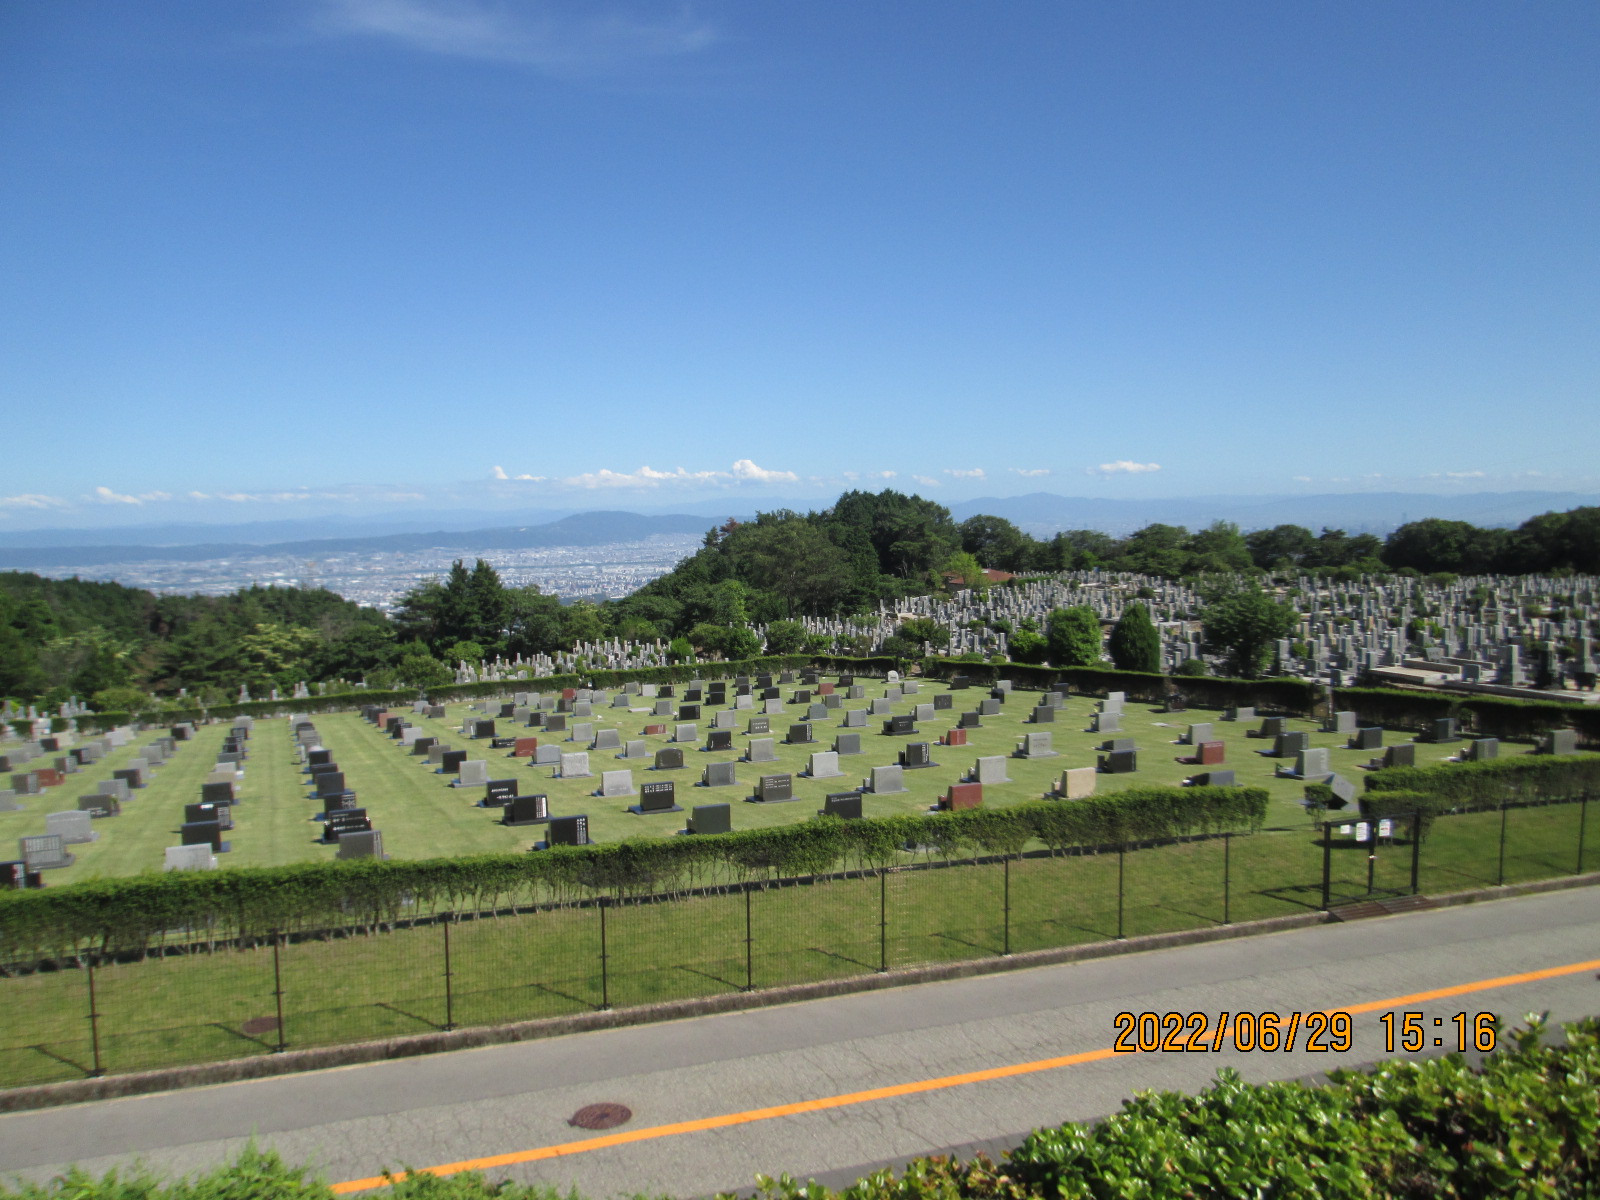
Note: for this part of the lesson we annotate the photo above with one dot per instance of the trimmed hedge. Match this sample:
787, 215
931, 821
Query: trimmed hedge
1528, 777
1485, 716
128, 915
1271, 695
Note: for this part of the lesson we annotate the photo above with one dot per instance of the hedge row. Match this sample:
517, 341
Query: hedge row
129, 914
1485, 716
1527, 777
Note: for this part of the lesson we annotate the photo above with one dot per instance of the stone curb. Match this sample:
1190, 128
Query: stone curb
139, 1083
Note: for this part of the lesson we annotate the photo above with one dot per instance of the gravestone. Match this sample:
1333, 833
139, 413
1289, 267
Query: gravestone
962, 796
607, 739
567, 831
954, 737
743, 702
1286, 745
555, 723
772, 789
847, 743
685, 734
204, 833
575, 765
816, 712
772, 708
450, 762
1271, 727
361, 843
72, 827
1042, 714
761, 750
759, 725
989, 708
1311, 763
43, 852
189, 858
854, 718
711, 818
1238, 714
526, 810
943, 702
423, 745
844, 805
990, 769
917, 756
719, 741
880, 708
824, 764
1106, 723
1368, 738
582, 731
1036, 745
1402, 755
655, 731
725, 718
497, 793
887, 781
217, 793
688, 712
96, 806
1440, 731
331, 783
1482, 749
635, 748
901, 726
474, 772
1559, 741
657, 796
1197, 733
547, 756
1119, 762
719, 774
1210, 753
1340, 722
800, 735
922, 712
616, 783
1076, 783
669, 758
1211, 779
969, 720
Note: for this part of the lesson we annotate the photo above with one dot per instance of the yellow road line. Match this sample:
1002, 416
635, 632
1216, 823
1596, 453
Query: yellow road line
908, 1089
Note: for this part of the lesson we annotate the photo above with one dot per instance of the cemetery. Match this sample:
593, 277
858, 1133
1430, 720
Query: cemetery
532, 776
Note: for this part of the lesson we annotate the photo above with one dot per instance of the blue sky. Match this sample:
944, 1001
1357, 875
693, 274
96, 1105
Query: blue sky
329, 255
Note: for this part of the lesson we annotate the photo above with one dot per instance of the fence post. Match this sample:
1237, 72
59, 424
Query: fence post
883, 919
1583, 823
94, 1022
1122, 852
277, 989
1416, 852
605, 973
749, 942
1327, 863
1227, 878
1501, 881
449, 990
1005, 915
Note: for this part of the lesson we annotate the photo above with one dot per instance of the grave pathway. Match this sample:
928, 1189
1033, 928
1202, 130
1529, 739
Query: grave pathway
961, 1062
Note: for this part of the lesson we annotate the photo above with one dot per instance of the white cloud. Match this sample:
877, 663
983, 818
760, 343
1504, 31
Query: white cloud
1123, 466
1302, 478
498, 473
644, 477
531, 35
1463, 475
32, 500
1030, 472
532, 478
747, 470
958, 473
882, 474
926, 480
104, 495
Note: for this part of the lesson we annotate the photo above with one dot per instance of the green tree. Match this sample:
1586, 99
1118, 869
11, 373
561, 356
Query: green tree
996, 542
924, 630
1156, 550
1216, 548
785, 637
1243, 625
1073, 636
1135, 644
419, 669
1025, 647
965, 572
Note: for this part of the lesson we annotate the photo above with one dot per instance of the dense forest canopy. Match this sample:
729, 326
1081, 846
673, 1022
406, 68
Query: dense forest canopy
114, 644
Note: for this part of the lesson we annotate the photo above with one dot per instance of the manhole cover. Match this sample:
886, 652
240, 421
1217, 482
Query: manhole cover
600, 1116
257, 1025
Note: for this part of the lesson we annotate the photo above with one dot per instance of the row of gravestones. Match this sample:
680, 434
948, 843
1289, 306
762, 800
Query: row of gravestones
47, 851
345, 822
208, 818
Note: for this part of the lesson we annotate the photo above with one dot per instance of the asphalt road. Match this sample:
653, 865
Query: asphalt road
718, 1099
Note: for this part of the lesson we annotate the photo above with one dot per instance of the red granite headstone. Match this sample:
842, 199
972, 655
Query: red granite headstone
1210, 753
962, 795
524, 747
956, 737
654, 730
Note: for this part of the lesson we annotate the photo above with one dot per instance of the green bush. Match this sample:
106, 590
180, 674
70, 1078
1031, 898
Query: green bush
1528, 777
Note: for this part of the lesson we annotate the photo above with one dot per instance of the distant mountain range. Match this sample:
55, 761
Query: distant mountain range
582, 529
1040, 514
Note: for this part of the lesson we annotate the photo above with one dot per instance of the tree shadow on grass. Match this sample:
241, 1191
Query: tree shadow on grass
709, 975
854, 962
64, 1060
408, 1015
